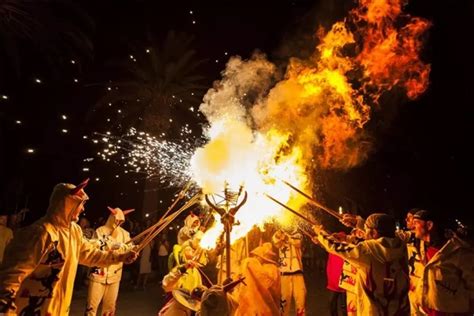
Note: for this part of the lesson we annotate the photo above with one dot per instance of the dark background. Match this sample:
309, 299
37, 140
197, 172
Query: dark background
423, 147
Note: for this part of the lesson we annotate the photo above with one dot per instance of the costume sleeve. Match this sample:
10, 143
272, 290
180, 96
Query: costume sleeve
296, 240
91, 255
350, 252
22, 257
171, 279
405, 236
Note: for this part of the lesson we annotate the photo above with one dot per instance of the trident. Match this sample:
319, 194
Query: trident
227, 213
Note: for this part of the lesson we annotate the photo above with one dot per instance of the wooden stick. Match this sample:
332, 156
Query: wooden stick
291, 210
170, 218
313, 201
157, 224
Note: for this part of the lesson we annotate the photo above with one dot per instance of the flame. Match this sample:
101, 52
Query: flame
237, 156
262, 129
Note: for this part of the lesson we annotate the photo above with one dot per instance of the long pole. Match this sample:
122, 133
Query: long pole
291, 210
163, 218
170, 218
227, 228
313, 201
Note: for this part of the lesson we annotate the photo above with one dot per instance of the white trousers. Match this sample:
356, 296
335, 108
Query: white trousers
107, 293
293, 288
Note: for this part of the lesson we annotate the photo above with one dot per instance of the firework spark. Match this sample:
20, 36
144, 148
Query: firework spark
157, 158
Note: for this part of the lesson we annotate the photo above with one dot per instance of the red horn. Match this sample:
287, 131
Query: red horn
128, 211
112, 210
80, 186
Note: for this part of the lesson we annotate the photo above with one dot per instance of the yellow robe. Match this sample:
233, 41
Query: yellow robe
262, 293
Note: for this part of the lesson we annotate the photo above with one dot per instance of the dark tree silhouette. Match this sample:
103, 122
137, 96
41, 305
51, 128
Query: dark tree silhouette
158, 80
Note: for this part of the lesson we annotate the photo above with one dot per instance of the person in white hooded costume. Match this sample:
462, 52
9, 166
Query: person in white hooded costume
105, 281
37, 276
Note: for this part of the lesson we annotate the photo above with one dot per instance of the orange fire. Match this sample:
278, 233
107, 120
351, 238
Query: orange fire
315, 116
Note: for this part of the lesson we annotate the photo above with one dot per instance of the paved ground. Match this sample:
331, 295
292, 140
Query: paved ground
147, 302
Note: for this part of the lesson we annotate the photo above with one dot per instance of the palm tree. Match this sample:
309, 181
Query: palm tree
159, 78
54, 30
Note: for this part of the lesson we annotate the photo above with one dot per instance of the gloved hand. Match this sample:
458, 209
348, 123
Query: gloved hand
349, 220
115, 245
128, 257
317, 229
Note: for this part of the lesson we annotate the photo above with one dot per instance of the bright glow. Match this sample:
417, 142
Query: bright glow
340, 209
148, 51
97, 179
64, 117
64, 131
75, 80
237, 156
147, 215
30, 150
4, 97
73, 61
37, 80
18, 122
85, 169
138, 152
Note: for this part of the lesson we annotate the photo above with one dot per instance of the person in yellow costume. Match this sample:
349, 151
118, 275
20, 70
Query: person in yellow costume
37, 275
105, 282
6, 235
185, 276
261, 294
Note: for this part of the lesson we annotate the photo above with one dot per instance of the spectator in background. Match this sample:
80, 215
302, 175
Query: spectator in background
88, 233
144, 267
6, 235
85, 225
163, 249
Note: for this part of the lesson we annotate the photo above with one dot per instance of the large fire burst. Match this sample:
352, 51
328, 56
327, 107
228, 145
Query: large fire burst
261, 129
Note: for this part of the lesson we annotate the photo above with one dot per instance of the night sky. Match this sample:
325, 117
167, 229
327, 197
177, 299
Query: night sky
422, 147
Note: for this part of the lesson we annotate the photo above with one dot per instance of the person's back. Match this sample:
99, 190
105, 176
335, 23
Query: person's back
382, 267
383, 276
